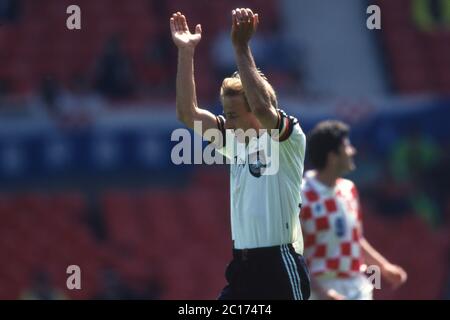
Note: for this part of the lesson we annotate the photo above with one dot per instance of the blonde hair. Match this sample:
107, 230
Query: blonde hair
233, 87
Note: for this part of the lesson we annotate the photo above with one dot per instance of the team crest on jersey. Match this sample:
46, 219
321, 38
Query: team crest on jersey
257, 164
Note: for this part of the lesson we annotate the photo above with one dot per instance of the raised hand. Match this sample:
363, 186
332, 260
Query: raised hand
244, 25
181, 35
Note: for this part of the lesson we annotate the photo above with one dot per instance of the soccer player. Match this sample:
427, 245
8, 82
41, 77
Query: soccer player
264, 208
335, 248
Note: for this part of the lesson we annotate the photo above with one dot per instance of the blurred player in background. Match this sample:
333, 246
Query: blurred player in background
264, 208
335, 247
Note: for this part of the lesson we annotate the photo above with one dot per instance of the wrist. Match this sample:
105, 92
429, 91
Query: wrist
189, 51
241, 48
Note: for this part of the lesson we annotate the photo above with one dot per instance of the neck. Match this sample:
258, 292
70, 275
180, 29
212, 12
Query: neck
327, 176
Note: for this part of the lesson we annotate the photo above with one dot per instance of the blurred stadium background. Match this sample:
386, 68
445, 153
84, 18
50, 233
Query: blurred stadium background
86, 118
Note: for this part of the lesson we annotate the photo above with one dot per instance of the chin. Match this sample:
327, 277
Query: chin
348, 169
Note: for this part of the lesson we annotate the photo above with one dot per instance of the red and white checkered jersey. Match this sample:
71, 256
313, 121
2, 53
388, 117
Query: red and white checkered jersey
332, 227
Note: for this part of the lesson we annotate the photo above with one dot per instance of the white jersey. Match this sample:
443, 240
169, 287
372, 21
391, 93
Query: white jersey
265, 208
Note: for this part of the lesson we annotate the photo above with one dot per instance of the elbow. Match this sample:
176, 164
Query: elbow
261, 109
184, 117
262, 105
180, 116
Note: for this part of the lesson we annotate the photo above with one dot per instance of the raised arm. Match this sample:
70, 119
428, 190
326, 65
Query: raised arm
257, 91
186, 98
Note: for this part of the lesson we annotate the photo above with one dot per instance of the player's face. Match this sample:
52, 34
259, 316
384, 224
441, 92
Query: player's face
345, 162
237, 114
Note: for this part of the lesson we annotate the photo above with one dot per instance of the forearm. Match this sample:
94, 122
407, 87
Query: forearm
255, 86
372, 256
186, 98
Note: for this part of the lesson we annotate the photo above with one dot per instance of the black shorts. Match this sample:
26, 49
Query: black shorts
272, 273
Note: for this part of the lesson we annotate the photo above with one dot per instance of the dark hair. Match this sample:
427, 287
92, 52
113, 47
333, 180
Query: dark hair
327, 136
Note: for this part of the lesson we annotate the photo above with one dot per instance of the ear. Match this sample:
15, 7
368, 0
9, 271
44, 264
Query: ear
331, 157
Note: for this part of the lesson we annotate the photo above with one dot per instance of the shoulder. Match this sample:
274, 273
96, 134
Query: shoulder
348, 187
288, 126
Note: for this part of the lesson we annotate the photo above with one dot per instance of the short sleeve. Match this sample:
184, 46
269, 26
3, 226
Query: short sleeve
285, 125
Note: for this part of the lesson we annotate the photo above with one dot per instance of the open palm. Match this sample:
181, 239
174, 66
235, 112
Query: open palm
181, 35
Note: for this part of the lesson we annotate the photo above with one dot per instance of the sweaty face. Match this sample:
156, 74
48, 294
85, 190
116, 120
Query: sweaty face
238, 114
344, 160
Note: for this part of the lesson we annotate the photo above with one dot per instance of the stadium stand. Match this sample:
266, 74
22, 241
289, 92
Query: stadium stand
167, 238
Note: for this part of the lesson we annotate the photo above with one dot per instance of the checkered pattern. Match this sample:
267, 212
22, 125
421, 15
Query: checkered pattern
331, 223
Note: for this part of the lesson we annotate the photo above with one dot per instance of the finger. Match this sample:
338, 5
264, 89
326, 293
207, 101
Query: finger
244, 14
180, 23
176, 22
238, 16
255, 21
172, 25
250, 15
184, 23
198, 29
233, 18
